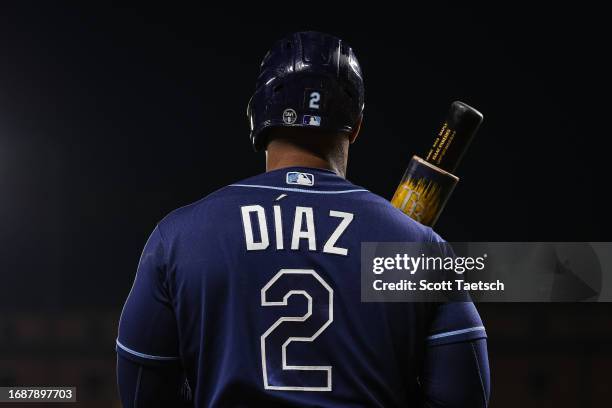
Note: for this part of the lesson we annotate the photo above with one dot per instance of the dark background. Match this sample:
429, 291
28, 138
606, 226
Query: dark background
110, 117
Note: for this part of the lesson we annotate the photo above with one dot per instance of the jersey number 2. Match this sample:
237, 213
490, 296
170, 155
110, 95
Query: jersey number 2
278, 373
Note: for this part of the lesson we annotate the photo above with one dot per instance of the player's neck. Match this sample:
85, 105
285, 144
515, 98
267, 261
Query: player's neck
280, 154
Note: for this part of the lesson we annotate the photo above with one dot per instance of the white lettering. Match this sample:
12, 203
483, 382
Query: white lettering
298, 233
329, 245
248, 228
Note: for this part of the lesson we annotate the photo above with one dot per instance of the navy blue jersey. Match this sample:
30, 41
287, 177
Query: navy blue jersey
255, 290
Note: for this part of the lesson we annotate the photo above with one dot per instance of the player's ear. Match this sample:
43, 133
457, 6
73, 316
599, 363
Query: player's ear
355, 133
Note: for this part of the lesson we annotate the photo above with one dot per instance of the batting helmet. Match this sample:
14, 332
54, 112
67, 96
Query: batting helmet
308, 80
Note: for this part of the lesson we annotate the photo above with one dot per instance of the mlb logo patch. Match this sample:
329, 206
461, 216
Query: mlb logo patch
311, 120
301, 179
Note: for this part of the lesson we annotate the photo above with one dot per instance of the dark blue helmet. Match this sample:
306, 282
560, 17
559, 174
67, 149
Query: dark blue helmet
309, 80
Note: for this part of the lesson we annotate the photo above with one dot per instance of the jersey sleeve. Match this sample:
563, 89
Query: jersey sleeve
454, 321
152, 386
148, 328
456, 375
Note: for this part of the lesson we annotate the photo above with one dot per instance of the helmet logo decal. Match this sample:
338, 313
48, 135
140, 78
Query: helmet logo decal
311, 120
289, 116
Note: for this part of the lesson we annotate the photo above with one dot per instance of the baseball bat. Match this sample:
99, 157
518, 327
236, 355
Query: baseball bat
428, 182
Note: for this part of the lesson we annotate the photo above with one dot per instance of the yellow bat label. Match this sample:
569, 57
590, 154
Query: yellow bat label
418, 198
423, 191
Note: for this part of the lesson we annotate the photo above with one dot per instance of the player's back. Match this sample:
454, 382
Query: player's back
264, 277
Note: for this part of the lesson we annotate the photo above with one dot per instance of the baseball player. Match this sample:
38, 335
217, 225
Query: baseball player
251, 296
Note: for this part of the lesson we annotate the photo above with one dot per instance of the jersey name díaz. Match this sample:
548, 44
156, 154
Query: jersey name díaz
261, 233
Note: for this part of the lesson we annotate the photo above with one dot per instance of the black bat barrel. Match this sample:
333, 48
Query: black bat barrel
454, 136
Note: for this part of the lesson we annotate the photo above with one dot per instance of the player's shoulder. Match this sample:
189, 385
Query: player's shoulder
210, 207
392, 219
191, 215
